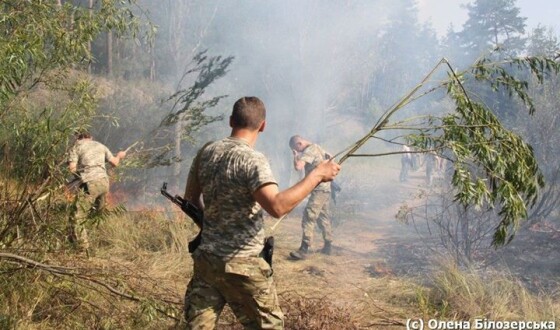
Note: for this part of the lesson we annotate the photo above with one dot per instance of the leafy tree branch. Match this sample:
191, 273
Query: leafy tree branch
493, 166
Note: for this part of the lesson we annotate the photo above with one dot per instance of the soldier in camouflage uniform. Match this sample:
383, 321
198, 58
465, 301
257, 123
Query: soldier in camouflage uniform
430, 158
87, 161
233, 183
307, 156
406, 163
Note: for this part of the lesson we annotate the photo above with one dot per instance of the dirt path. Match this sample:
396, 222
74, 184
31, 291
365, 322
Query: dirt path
362, 238
375, 255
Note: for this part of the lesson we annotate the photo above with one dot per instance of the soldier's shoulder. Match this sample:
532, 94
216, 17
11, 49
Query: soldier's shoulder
252, 158
314, 149
92, 143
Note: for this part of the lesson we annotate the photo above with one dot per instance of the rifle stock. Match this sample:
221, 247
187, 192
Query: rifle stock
197, 216
191, 210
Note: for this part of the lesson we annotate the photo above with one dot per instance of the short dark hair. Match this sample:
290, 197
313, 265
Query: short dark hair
80, 135
248, 112
293, 140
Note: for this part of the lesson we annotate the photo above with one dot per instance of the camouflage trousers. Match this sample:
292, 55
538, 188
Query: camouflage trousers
244, 283
90, 198
406, 165
317, 212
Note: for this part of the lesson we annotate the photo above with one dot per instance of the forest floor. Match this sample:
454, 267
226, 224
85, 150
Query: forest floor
378, 261
378, 266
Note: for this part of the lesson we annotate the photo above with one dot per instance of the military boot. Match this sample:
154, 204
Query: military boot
301, 253
327, 249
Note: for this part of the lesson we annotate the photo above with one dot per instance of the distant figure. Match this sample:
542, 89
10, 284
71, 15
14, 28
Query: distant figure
87, 161
432, 164
307, 156
414, 160
406, 163
440, 165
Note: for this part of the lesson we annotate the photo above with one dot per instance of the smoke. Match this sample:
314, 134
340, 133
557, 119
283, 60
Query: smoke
302, 58
315, 64
319, 66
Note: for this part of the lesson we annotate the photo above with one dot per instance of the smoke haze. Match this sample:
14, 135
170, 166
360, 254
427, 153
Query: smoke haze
301, 58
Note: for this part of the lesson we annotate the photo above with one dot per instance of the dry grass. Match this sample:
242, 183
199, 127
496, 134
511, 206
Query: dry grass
143, 255
468, 294
301, 312
315, 313
136, 280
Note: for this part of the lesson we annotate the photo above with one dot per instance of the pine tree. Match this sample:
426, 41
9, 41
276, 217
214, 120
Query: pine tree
492, 24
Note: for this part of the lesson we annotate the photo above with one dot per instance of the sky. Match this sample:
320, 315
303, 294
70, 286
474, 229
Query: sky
442, 13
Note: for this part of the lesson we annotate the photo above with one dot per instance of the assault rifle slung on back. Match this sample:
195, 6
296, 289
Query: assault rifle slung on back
191, 210
197, 215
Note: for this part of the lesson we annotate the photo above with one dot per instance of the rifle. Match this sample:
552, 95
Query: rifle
197, 215
268, 250
191, 210
72, 184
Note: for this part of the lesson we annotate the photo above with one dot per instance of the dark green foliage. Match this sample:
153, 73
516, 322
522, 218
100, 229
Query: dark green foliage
56, 38
492, 24
493, 166
187, 101
498, 74
44, 99
189, 111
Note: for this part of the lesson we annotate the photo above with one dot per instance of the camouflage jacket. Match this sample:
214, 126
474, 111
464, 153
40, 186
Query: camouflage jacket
229, 172
90, 157
313, 155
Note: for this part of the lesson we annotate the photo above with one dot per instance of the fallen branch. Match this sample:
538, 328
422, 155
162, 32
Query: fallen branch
75, 273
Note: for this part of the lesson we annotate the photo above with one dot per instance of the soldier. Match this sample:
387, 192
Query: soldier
432, 164
231, 182
87, 161
406, 163
307, 156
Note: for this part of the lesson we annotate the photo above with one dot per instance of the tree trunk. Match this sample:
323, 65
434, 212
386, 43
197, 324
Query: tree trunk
90, 7
152, 64
110, 53
177, 165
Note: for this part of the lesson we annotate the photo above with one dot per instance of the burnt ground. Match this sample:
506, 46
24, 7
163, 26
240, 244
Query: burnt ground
372, 249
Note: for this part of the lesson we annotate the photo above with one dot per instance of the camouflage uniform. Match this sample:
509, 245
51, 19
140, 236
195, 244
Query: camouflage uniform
90, 157
317, 210
430, 159
406, 163
227, 266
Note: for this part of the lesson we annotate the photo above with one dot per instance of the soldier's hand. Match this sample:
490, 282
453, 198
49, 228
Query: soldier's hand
328, 170
121, 154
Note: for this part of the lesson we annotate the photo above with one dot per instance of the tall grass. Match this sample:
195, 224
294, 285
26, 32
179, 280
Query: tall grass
145, 232
467, 294
142, 256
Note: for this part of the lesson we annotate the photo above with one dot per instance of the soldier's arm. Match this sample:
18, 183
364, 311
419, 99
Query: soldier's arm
298, 163
73, 160
73, 167
117, 159
278, 203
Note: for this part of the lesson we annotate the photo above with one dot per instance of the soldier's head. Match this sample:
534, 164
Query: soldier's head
83, 134
298, 143
248, 113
